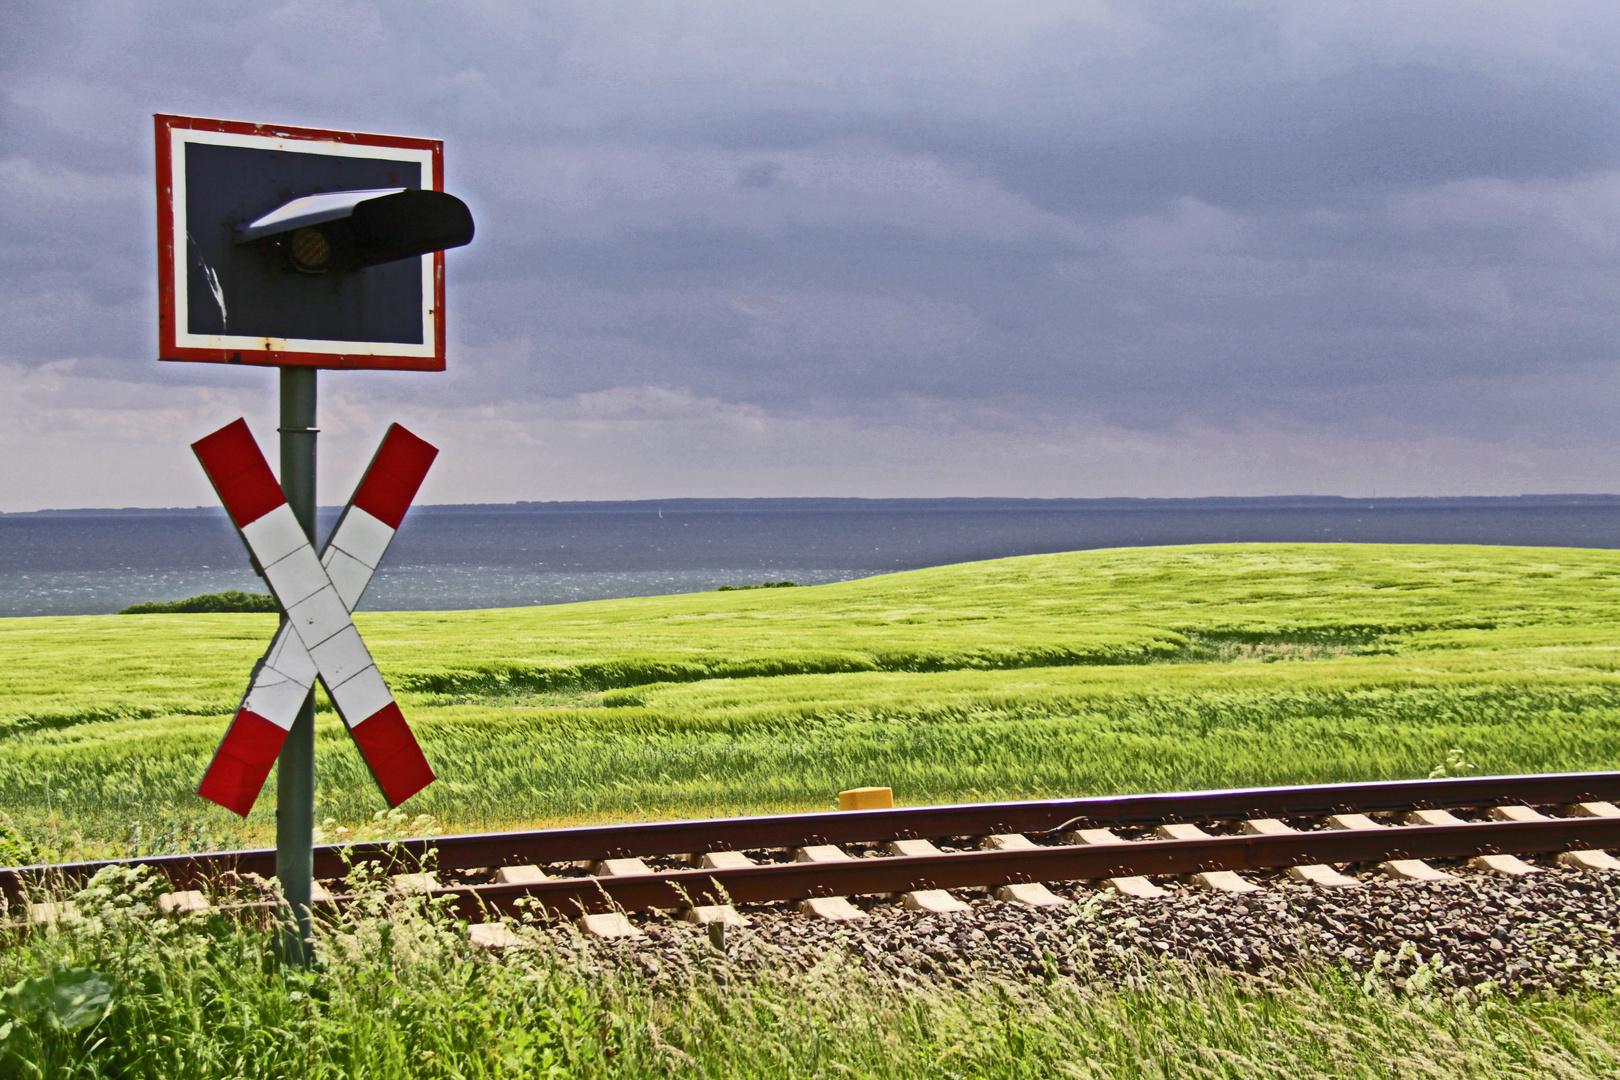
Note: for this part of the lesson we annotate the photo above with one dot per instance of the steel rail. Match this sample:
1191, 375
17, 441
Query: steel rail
590, 843
987, 869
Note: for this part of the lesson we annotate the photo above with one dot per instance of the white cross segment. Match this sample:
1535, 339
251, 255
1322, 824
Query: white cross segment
318, 637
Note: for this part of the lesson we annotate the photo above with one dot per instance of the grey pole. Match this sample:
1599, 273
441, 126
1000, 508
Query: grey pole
295, 769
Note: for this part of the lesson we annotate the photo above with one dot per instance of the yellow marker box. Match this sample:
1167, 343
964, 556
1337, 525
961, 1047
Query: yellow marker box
866, 798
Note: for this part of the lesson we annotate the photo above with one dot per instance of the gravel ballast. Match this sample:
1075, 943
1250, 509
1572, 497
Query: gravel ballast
1552, 931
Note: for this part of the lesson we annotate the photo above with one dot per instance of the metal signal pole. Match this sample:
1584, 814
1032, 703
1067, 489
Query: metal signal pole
295, 769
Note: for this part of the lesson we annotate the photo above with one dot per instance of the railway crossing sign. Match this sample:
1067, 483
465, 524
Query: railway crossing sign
305, 248
317, 639
302, 246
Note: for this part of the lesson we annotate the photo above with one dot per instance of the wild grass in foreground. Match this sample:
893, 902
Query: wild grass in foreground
124, 992
1085, 673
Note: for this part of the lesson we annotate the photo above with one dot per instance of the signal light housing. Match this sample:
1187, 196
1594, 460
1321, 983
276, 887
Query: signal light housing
349, 230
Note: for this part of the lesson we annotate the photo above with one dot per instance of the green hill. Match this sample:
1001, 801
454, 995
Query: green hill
1126, 669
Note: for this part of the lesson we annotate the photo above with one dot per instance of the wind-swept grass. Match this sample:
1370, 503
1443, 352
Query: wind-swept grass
1052, 675
125, 992
1093, 672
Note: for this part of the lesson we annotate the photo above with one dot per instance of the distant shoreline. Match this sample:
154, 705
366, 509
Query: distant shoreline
455, 557
957, 504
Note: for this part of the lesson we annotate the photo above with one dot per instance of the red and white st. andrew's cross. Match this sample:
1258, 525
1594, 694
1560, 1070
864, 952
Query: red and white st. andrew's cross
318, 639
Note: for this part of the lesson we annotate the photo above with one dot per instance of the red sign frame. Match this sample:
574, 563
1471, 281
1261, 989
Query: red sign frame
173, 344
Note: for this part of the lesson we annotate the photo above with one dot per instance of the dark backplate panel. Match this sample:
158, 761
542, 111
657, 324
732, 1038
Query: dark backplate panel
229, 186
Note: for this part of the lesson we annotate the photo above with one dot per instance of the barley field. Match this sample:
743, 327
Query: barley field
1056, 675
1086, 673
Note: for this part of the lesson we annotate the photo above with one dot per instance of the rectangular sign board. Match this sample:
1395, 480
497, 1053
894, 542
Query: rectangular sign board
229, 294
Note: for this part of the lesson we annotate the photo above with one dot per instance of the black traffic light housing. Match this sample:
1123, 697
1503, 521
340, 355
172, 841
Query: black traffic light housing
345, 231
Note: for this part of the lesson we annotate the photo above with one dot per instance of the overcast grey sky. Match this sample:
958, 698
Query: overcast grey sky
1047, 249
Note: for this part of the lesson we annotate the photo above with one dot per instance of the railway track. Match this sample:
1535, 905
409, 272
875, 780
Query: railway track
933, 857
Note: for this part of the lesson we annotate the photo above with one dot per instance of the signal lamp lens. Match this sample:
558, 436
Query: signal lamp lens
310, 250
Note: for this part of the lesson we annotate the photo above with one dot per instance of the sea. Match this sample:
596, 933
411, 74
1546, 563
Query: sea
74, 562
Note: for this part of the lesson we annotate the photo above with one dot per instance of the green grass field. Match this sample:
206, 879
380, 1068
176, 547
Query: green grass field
127, 993
1069, 674
132, 995
1084, 673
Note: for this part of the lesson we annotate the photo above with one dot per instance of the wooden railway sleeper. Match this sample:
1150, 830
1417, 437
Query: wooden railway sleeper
831, 908
722, 915
1209, 878
925, 898
1398, 867
1126, 885
1579, 860
1318, 874
1028, 893
1493, 861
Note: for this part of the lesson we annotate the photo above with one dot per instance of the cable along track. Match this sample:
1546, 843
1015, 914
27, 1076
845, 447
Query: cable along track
1211, 838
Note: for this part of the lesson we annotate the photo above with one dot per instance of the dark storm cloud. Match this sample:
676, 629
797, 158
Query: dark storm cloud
1393, 219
